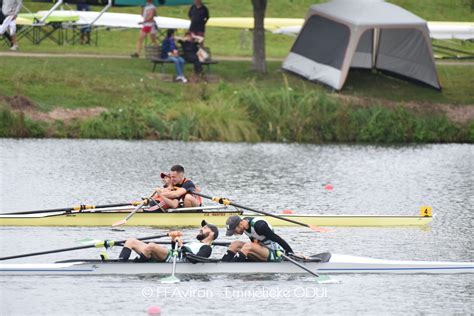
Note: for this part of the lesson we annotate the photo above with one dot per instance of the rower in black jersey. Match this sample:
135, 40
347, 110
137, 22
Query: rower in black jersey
264, 244
154, 252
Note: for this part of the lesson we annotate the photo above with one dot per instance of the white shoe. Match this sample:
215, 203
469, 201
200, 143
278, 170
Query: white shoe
182, 79
14, 48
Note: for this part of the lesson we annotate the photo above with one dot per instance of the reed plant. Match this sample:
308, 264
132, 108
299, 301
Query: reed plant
17, 125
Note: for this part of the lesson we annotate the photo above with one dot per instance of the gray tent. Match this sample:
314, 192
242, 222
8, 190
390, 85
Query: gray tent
341, 34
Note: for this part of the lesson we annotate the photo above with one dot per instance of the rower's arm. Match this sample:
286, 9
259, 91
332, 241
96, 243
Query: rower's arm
262, 228
172, 203
204, 252
174, 194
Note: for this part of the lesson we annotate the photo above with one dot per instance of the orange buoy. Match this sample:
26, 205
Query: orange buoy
329, 187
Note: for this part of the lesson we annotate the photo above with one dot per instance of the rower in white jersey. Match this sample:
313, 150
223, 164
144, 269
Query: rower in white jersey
264, 244
149, 252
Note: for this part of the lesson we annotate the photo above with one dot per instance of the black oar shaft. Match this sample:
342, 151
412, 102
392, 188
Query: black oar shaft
74, 208
228, 202
215, 243
299, 265
97, 245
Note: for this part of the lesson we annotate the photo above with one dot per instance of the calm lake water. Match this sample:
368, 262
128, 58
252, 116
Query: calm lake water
37, 174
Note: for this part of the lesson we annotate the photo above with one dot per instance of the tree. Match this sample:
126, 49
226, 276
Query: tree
259, 64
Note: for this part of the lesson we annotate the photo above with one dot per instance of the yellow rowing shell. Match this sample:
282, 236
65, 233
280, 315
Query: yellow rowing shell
193, 219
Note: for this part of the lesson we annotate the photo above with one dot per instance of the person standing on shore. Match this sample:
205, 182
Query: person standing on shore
198, 14
148, 27
2, 18
10, 10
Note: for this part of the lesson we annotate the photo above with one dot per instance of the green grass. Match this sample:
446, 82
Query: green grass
112, 83
240, 106
233, 42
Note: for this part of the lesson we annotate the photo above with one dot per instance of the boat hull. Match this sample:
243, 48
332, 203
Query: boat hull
193, 219
338, 264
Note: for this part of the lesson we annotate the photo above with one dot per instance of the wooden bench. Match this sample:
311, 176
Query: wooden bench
153, 53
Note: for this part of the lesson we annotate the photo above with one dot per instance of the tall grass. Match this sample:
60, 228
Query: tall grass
282, 115
285, 115
216, 119
13, 124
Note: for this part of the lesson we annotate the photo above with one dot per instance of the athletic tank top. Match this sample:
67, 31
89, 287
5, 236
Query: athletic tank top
254, 234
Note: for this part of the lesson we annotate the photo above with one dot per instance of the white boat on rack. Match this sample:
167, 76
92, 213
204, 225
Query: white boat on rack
337, 264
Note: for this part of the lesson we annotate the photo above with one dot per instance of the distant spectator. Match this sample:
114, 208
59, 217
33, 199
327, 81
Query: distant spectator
169, 51
190, 44
2, 18
199, 14
85, 30
10, 9
148, 27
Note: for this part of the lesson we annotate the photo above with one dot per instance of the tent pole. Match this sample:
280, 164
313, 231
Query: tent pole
375, 47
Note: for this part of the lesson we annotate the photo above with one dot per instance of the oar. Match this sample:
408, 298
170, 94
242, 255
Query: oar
139, 206
323, 279
225, 201
102, 243
172, 278
77, 208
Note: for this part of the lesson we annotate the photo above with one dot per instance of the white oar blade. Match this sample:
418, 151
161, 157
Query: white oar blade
170, 280
89, 241
324, 279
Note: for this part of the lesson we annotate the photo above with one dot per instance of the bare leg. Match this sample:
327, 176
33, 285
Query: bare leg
159, 253
141, 38
190, 201
234, 247
150, 250
14, 42
255, 250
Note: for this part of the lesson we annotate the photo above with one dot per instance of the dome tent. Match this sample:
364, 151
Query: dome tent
341, 34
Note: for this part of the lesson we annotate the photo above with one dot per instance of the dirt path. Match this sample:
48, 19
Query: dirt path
216, 57
28, 107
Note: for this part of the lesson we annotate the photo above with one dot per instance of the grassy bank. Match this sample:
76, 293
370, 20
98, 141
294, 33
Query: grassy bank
236, 105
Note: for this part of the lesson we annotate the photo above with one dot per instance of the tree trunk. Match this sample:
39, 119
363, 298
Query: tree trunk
259, 64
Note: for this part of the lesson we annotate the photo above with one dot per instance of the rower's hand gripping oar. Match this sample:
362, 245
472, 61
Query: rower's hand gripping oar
100, 244
139, 206
225, 201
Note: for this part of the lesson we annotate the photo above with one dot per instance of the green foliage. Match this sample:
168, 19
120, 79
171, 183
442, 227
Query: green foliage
285, 115
126, 123
17, 125
218, 119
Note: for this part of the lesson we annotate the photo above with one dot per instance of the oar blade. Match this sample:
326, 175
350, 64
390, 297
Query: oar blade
324, 279
89, 241
170, 280
319, 229
119, 223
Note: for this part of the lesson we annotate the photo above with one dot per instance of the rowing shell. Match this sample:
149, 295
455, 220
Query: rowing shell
338, 264
192, 217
